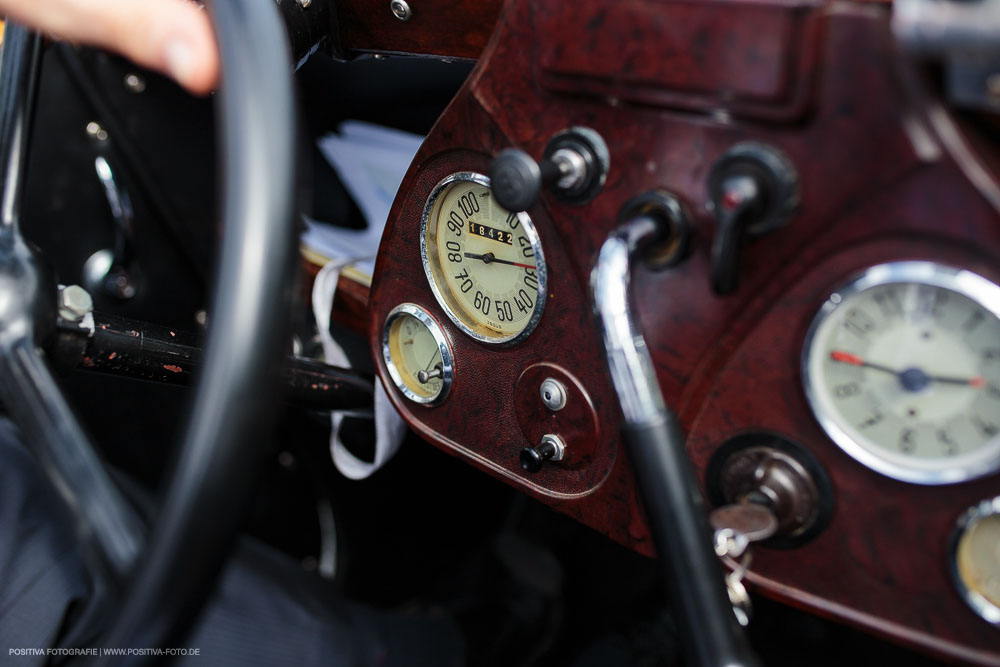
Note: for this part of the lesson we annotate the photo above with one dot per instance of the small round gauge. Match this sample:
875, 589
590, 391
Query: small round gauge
417, 354
902, 369
975, 559
484, 264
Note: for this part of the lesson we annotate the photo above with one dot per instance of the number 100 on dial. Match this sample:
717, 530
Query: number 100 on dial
485, 265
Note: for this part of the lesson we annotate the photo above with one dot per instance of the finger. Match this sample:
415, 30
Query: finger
171, 36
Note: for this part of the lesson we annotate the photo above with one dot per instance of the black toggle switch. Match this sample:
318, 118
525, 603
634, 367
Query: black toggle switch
753, 190
552, 449
574, 167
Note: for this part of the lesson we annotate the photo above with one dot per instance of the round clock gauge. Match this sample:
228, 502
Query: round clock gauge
902, 369
975, 559
417, 354
485, 265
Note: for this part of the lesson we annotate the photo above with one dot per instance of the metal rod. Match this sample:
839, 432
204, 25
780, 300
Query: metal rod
655, 447
110, 533
20, 65
161, 207
152, 352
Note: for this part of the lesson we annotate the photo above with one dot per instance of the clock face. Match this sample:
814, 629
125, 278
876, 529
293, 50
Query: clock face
902, 369
484, 264
417, 354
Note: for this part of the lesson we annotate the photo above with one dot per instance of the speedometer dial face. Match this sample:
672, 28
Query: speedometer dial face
484, 264
902, 369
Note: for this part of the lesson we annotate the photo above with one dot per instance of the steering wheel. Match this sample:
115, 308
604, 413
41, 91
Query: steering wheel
163, 578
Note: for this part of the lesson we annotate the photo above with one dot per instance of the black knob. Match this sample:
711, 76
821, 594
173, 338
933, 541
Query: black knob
517, 180
574, 167
551, 449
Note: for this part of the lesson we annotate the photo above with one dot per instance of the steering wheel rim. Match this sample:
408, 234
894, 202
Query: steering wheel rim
234, 404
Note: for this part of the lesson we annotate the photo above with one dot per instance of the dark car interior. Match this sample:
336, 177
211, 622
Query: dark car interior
709, 289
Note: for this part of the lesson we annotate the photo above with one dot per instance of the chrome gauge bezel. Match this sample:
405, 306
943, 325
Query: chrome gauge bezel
982, 461
983, 607
439, 291
447, 358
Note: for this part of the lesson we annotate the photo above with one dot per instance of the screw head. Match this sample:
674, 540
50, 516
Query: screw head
286, 460
74, 303
401, 10
135, 83
95, 131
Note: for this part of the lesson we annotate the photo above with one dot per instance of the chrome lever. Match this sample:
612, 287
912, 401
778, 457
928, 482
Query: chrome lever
655, 446
110, 270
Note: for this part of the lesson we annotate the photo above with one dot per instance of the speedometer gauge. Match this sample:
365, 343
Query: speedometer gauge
484, 264
902, 369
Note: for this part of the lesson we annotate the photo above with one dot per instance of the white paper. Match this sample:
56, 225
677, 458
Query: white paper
371, 161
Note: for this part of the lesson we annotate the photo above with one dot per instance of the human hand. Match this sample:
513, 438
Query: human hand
171, 36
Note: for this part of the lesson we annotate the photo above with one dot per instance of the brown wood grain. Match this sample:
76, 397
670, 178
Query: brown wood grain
445, 28
877, 186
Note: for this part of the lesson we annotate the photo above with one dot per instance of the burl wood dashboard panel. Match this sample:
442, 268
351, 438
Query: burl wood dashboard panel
671, 85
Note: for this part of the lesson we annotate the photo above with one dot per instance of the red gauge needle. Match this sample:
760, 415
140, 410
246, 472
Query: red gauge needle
490, 258
854, 360
912, 378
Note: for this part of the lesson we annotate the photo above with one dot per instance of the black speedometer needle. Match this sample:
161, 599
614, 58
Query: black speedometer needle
490, 258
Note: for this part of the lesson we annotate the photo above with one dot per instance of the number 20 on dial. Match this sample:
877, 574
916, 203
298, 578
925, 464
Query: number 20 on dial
484, 264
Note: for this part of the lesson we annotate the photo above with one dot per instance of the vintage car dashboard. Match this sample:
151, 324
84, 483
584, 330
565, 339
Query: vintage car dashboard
857, 340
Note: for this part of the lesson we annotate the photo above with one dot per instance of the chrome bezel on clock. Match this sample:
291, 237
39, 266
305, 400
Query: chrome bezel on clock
439, 292
447, 359
928, 471
986, 609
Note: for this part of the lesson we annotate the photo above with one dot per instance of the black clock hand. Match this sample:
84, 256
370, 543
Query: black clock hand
917, 377
490, 258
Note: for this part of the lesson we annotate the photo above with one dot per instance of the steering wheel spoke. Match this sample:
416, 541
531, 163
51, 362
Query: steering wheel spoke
107, 527
109, 531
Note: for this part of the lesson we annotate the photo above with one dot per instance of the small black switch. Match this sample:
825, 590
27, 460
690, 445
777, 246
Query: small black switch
552, 449
753, 190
